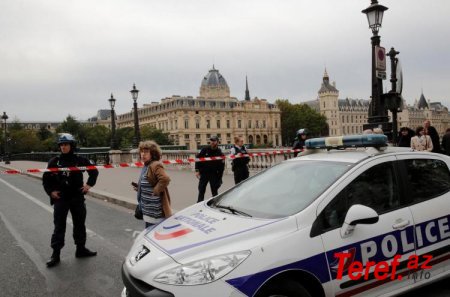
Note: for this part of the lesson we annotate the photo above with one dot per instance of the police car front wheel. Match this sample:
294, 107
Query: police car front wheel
284, 288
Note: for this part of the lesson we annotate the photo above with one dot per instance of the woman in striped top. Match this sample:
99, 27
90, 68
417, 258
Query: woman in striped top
152, 193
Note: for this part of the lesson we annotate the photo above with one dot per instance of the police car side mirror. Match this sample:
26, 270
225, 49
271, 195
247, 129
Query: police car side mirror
357, 214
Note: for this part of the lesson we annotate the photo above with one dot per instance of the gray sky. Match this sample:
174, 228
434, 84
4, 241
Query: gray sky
59, 57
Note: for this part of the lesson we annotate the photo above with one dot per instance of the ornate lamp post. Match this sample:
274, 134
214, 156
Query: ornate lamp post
112, 103
5, 139
377, 111
137, 135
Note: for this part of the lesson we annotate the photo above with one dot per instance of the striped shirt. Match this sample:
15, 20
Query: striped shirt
150, 204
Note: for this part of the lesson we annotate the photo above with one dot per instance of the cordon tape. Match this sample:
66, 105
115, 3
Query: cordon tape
140, 164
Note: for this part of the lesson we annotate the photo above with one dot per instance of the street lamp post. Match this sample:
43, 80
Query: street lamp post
112, 103
137, 137
377, 111
5, 139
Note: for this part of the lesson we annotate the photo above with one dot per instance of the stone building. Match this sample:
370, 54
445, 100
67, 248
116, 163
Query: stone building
347, 116
191, 121
344, 116
414, 115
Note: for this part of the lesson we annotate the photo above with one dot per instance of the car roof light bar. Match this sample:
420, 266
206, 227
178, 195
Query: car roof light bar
347, 141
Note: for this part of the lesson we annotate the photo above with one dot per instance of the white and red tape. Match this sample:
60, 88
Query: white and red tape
140, 164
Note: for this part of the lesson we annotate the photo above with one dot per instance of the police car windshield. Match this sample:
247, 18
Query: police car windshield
282, 190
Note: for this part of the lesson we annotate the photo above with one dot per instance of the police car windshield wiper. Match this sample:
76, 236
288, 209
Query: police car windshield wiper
232, 210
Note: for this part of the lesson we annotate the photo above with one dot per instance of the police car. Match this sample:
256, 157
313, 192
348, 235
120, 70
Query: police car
283, 231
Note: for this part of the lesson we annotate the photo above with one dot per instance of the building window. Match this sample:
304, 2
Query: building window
239, 124
219, 135
176, 124
249, 123
218, 124
276, 124
228, 135
257, 124
208, 124
264, 124
197, 136
208, 136
186, 136
228, 124
186, 124
197, 124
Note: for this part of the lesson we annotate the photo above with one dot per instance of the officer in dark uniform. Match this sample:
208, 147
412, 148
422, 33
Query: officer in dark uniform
299, 143
240, 164
66, 191
210, 171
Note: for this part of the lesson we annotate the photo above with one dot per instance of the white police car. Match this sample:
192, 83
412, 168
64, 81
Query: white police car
283, 231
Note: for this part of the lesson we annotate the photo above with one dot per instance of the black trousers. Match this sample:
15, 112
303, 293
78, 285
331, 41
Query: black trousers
240, 174
214, 183
61, 208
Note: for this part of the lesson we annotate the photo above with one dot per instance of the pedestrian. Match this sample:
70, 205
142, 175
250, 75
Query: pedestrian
299, 143
446, 142
404, 137
434, 135
210, 171
152, 192
66, 190
239, 164
368, 131
421, 142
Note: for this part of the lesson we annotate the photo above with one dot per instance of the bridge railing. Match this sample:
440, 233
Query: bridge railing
256, 164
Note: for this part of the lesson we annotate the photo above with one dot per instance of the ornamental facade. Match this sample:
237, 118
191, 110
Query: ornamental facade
347, 116
191, 121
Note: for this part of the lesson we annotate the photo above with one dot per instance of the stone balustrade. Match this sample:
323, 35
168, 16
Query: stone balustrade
257, 163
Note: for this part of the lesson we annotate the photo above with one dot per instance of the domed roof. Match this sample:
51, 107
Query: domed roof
214, 85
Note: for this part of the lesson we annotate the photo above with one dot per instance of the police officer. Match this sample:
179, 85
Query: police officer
299, 143
209, 171
66, 191
240, 164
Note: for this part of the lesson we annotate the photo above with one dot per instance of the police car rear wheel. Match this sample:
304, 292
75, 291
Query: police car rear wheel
284, 288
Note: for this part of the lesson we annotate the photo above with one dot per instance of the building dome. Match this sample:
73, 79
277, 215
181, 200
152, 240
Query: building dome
214, 85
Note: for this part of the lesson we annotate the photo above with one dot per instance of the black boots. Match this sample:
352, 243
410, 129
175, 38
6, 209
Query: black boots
83, 252
54, 259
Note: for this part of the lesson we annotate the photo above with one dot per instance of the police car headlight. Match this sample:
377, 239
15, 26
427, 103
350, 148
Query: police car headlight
203, 271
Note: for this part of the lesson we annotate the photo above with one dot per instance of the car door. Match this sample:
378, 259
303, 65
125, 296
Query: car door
375, 185
427, 180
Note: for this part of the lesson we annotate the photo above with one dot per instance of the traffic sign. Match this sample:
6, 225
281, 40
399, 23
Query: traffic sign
380, 58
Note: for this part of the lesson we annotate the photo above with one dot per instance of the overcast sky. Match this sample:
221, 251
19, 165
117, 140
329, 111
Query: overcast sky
60, 57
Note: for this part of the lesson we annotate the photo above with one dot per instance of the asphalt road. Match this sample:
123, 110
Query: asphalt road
25, 231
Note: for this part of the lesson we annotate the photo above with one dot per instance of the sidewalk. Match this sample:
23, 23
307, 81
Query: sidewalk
114, 185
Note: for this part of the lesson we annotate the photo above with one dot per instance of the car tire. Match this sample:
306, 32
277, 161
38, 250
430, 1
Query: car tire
284, 288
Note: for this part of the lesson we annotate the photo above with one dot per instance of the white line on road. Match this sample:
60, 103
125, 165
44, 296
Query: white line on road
44, 206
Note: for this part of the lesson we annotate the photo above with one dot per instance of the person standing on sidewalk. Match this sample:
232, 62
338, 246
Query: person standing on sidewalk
239, 164
152, 192
209, 171
66, 190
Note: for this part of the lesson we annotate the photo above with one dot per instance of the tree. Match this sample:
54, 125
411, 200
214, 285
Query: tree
44, 133
158, 136
124, 137
97, 136
297, 116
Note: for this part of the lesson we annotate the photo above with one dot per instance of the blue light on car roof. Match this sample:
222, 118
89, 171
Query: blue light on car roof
366, 140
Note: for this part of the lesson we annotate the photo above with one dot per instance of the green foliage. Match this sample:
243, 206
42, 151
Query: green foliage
97, 136
124, 137
44, 133
158, 136
297, 116
24, 141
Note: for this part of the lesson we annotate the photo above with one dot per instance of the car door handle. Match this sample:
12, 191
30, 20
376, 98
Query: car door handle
401, 224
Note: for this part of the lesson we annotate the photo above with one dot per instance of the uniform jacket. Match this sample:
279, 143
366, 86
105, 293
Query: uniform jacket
69, 183
446, 143
210, 167
241, 162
